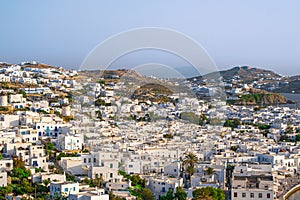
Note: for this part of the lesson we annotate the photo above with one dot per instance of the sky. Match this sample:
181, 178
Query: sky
263, 34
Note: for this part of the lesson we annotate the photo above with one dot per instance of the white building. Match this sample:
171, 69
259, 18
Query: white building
63, 188
70, 142
252, 182
3, 100
91, 194
160, 186
3, 179
7, 121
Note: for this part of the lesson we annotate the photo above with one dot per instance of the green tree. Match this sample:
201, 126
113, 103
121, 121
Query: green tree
20, 173
264, 126
97, 182
37, 170
233, 123
168, 136
23, 93
18, 162
203, 119
100, 102
168, 196
24, 187
71, 178
137, 180
5, 191
99, 114
208, 193
49, 146
234, 148
146, 194
180, 194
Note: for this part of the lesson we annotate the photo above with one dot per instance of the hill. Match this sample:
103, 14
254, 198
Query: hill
39, 65
245, 74
292, 86
261, 98
24, 65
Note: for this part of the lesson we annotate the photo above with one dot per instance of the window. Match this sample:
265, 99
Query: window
95, 160
111, 175
130, 166
84, 160
111, 165
251, 195
235, 194
259, 195
268, 195
74, 188
89, 160
243, 194
66, 189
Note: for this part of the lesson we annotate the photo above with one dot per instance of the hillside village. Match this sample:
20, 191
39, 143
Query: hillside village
68, 137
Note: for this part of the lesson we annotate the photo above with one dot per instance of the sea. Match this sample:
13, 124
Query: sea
293, 97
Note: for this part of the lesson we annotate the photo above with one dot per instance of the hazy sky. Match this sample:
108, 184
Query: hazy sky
62, 33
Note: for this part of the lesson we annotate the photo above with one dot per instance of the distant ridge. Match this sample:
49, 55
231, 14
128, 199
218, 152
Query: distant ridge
267, 79
246, 73
24, 65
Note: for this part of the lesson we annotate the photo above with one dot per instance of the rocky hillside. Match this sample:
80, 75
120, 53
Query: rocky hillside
261, 97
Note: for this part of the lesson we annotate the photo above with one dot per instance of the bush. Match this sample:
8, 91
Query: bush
208, 193
233, 123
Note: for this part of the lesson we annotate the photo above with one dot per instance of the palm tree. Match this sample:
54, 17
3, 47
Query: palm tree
189, 162
46, 182
210, 171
